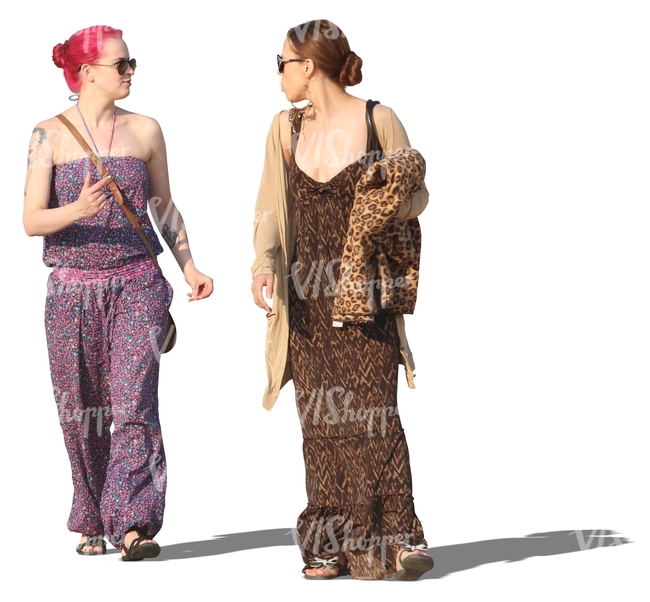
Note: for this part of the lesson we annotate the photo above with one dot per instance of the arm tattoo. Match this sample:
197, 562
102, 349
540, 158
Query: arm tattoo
39, 135
170, 236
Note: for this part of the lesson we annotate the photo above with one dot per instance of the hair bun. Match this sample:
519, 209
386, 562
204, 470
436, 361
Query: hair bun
59, 54
351, 71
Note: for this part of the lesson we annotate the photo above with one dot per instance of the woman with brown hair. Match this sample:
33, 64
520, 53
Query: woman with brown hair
340, 193
107, 304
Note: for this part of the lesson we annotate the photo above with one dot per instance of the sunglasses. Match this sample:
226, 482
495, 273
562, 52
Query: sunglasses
121, 66
282, 62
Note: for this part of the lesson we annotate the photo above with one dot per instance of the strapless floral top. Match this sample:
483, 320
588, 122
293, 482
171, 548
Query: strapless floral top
107, 239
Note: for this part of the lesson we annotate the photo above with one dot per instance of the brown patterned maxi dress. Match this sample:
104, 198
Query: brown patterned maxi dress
356, 459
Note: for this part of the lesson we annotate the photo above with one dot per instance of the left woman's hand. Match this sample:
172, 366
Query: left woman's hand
201, 284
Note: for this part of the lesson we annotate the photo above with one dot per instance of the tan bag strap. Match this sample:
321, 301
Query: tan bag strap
112, 185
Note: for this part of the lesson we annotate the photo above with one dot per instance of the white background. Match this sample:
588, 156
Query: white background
531, 335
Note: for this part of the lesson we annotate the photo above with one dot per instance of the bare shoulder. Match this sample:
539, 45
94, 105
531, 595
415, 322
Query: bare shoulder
48, 124
357, 103
146, 138
48, 139
45, 134
141, 123
46, 128
55, 125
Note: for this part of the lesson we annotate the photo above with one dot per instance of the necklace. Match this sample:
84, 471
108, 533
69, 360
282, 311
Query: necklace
110, 142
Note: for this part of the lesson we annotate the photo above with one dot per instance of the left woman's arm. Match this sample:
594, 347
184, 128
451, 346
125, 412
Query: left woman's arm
166, 215
392, 137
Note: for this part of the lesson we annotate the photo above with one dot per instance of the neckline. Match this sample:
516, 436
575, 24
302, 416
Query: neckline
336, 175
103, 159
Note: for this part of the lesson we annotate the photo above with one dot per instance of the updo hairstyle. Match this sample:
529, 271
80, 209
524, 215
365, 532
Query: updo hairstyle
326, 45
83, 48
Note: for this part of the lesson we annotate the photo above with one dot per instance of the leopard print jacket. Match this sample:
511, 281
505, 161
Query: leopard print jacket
380, 263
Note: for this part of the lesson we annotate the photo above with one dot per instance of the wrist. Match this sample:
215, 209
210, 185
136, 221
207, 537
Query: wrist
75, 212
189, 267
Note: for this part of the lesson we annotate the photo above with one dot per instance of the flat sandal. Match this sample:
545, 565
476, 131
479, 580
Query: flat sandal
92, 541
139, 551
414, 565
321, 563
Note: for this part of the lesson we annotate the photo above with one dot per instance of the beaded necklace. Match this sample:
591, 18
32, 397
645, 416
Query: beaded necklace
110, 142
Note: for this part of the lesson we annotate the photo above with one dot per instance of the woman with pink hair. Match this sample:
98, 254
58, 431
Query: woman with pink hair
107, 303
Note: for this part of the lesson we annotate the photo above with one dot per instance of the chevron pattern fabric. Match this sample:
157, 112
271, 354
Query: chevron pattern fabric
358, 476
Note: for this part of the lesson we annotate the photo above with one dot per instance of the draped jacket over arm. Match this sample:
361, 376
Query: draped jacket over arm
380, 262
274, 238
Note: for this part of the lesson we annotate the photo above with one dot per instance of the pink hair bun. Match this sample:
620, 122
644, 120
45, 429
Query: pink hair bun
59, 54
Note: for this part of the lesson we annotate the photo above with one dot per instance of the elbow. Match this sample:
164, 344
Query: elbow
419, 202
30, 229
424, 204
413, 206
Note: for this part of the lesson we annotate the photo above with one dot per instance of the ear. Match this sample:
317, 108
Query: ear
309, 67
87, 72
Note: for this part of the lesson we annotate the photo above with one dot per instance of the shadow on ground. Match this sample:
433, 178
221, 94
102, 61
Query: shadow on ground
449, 559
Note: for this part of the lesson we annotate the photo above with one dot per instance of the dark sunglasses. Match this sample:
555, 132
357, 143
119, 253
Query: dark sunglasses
282, 62
121, 67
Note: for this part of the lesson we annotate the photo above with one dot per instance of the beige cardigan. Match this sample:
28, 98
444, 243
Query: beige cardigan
274, 238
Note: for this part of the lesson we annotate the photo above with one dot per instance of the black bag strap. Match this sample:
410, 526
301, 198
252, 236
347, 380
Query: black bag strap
373, 145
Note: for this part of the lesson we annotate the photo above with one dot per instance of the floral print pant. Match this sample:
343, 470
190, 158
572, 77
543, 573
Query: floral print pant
104, 331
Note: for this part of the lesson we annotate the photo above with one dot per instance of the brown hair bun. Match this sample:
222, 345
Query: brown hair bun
351, 70
326, 45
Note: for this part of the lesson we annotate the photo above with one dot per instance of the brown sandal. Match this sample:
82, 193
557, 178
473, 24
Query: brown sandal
414, 565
